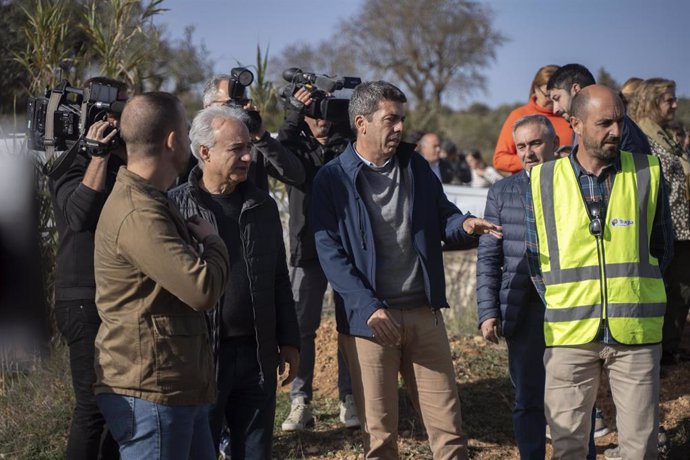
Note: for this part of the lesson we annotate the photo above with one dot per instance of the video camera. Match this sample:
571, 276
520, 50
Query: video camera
324, 105
240, 79
58, 122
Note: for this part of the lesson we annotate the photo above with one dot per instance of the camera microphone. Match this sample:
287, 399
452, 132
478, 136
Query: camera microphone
114, 107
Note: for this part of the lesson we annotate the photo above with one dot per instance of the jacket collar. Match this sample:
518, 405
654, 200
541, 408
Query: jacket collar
252, 195
140, 184
352, 164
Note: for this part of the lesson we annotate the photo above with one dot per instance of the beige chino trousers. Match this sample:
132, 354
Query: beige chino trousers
424, 360
572, 381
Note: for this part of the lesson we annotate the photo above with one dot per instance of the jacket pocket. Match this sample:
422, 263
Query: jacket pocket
182, 352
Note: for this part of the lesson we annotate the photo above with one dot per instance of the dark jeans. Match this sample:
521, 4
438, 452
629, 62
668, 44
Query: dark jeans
245, 403
525, 364
78, 322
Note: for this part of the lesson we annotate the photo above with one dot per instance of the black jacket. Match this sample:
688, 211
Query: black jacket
77, 209
296, 137
504, 286
275, 320
270, 158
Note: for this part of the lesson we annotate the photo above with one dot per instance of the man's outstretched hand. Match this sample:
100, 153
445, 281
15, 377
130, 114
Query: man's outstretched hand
477, 226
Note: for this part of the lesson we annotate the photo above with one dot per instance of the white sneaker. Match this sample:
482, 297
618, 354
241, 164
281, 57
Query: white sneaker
600, 428
348, 413
300, 416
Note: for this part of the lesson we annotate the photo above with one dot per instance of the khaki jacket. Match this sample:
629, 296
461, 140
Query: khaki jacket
151, 290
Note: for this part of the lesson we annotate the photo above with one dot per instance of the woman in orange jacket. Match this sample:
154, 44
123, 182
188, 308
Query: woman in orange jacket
505, 155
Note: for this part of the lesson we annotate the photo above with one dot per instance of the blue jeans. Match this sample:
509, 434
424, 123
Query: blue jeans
144, 429
78, 322
308, 287
245, 402
525, 364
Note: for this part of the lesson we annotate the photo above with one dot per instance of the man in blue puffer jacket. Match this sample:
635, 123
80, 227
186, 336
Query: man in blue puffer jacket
507, 300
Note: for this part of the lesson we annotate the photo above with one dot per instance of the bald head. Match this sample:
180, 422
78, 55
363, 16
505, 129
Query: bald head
593, 97
597, 119
148, 119
430, 147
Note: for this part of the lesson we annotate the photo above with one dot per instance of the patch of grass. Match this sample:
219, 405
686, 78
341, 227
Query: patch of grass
35, 410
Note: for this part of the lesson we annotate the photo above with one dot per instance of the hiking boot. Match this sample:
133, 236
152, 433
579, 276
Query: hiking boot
300, 416
348, 413
600, 428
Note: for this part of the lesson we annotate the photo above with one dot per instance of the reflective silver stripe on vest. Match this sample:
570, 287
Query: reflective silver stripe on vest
556, 315
621, 270
546, 186
643, 173
643, 269
635, 310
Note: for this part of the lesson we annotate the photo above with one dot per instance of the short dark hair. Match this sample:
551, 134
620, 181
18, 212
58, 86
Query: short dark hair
148, 118
367, 96
568, 75
579, 104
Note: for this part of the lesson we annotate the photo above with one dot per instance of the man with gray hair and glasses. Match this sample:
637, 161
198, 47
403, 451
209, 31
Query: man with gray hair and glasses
253, 327
268, 156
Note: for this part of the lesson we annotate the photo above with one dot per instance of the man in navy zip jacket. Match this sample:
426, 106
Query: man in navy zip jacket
380, 215
507, 300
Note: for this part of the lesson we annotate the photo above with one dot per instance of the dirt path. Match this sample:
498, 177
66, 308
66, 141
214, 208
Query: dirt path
481, 371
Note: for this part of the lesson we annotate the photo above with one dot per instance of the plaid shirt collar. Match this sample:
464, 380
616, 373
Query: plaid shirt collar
614, 167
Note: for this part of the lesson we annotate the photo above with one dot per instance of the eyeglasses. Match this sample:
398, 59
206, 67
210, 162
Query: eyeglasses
596, 228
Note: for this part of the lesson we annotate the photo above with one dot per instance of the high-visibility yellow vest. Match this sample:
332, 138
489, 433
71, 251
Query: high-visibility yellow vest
612, 278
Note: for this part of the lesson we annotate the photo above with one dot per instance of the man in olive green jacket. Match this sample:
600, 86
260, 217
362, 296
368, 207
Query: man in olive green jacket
154, 366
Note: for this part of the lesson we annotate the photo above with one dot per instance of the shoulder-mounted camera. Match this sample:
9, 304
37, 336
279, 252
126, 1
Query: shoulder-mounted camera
324, 104
57, 123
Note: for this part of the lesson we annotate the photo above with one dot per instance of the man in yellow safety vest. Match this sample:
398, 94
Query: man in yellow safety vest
598, 237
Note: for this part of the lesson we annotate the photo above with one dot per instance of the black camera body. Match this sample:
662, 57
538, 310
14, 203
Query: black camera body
324, 105
240, 79
58, 122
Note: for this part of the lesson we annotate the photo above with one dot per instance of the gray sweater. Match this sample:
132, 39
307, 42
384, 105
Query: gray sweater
386, 194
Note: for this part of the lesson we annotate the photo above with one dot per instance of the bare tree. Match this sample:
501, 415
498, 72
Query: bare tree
432, 47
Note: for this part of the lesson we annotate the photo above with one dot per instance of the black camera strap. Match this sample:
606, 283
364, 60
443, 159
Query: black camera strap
59, 166
53, 104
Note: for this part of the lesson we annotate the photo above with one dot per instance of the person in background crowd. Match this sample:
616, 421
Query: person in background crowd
254, 326
430, 147
505, 155
570, 79
655, 110
627, 93
482, 175
461, 171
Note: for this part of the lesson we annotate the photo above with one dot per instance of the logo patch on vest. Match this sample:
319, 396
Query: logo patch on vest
617, 222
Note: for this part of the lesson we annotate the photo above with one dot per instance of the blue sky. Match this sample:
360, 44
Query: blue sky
643, 38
